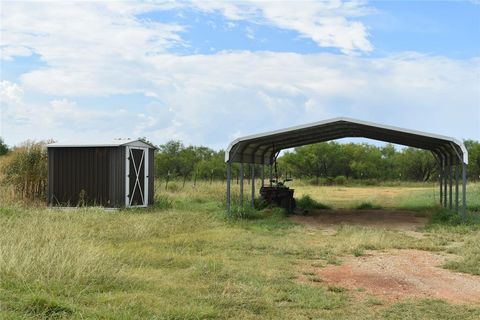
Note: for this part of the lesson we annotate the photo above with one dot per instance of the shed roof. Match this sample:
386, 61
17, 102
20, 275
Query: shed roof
104, 143
262, 148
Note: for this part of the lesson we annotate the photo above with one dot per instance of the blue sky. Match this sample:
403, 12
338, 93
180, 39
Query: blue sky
208, 72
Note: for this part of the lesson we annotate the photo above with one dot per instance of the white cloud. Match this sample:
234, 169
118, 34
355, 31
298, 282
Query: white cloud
10, 92
206, 98
94, 31
209, 99
8, 52
328, 23
22, 119
63, 32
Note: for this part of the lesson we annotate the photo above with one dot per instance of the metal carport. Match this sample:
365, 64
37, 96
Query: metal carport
263, 149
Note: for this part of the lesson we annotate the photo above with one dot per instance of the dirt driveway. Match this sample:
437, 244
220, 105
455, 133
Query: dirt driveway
392, 275
398, 274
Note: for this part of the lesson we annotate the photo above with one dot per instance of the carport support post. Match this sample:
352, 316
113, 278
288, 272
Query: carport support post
253, 184
464, 190
440, 175
229, 176
457, 173
450, 177
445, 182
241, 184
271, 175
263, 175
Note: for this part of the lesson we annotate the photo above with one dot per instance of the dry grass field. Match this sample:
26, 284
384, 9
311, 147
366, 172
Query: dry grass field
182, 259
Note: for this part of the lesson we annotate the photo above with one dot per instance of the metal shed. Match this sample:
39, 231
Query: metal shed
264, 148
117, 173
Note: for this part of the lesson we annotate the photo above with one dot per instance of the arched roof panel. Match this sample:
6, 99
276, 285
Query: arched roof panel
261, 148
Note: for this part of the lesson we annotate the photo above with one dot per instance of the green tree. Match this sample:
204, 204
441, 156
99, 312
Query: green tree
3, 147
416, 164
167, 159
178, 161
473, 168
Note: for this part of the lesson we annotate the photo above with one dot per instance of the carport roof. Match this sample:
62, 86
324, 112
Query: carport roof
262, 148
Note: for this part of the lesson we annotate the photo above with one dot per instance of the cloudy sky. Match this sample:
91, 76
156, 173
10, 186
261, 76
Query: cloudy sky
208, 72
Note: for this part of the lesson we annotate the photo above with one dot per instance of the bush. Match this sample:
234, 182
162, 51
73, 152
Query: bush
3, 147
370, 182
308, 203
368, 206
452, 218
475, 208
329, 181
26, 170
340, 180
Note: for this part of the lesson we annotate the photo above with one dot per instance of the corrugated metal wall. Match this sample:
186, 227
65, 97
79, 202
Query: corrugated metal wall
98, 171
77, 171
117, 177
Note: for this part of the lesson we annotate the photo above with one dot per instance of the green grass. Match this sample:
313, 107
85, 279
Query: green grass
183, 259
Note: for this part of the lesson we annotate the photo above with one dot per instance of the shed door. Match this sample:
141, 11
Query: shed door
137, 177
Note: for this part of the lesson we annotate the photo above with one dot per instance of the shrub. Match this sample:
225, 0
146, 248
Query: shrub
3, 147
340, 180
308, 203
370, 182
475, 208
452, 218
368, 206
329, 181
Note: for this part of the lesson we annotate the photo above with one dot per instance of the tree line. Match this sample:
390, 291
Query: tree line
318, 162
365, 161
24, 167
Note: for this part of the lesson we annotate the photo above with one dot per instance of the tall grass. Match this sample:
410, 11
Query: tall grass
44, 251
181, 259
25, 170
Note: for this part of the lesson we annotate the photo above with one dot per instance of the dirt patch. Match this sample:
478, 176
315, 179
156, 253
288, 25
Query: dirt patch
389, 219
400, 274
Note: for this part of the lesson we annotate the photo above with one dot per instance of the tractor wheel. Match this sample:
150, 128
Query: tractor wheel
287, 204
